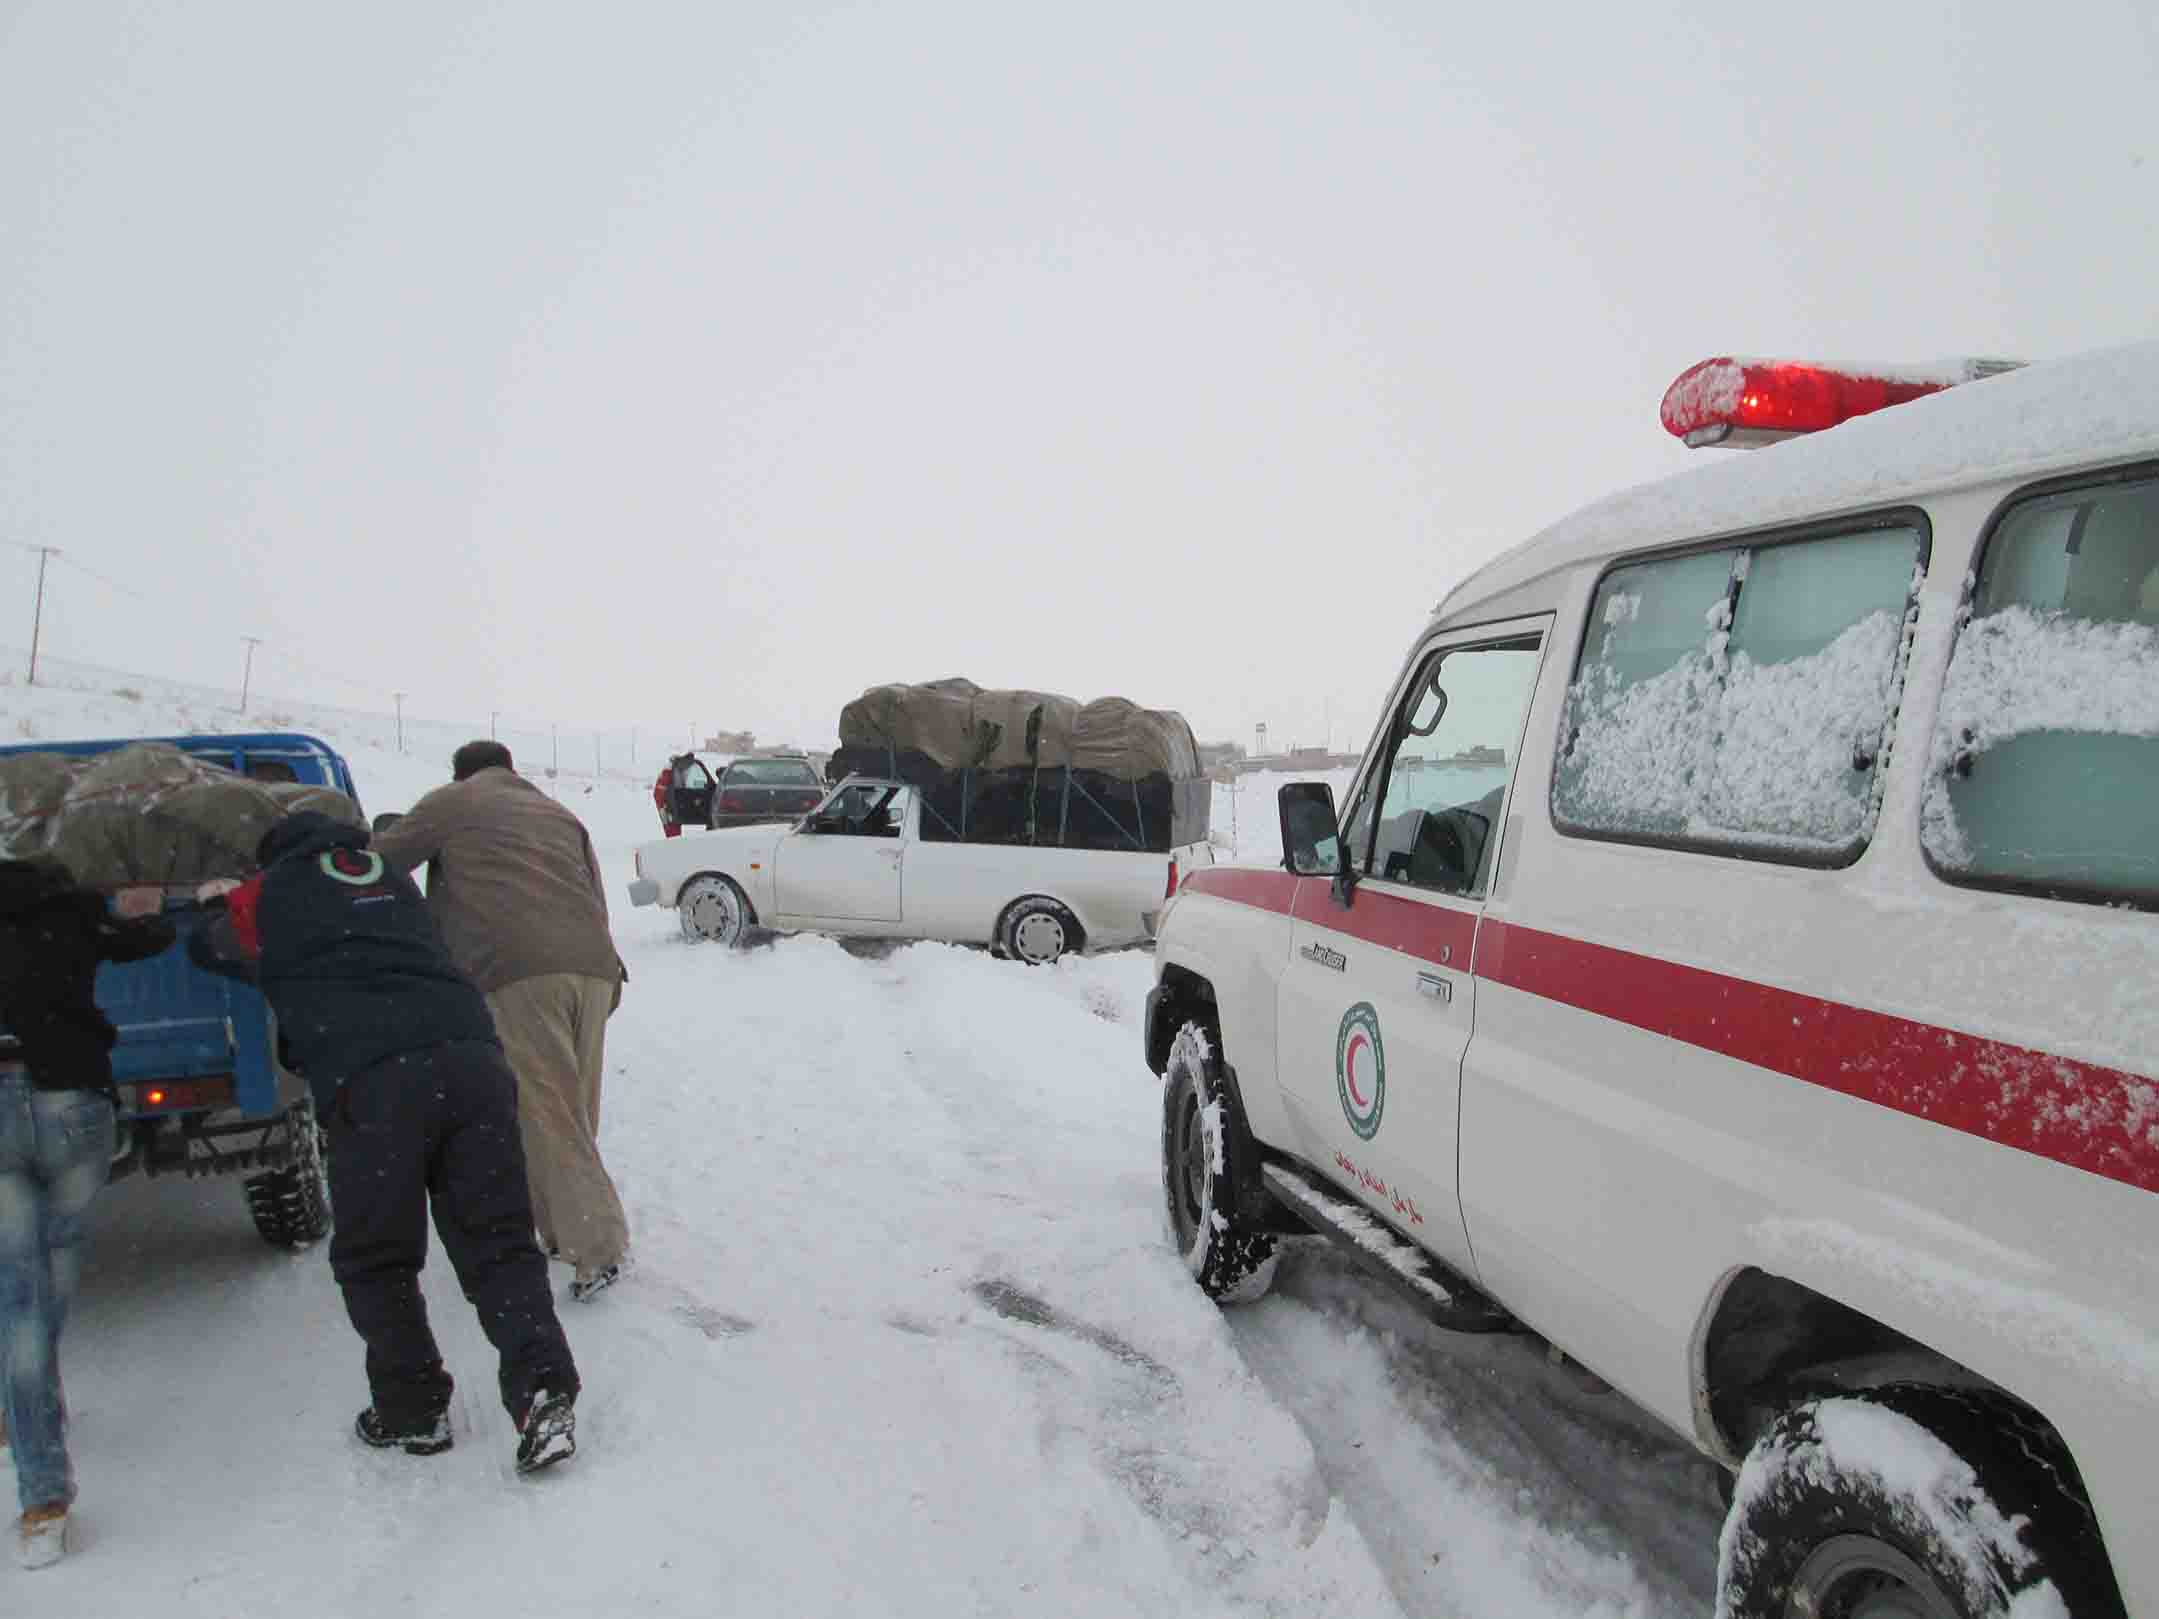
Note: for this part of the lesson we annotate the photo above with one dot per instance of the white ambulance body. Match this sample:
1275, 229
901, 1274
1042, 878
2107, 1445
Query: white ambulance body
1745, 974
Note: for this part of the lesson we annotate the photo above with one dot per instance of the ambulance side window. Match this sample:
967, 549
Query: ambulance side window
2044, 765
1736, 701
1449, 758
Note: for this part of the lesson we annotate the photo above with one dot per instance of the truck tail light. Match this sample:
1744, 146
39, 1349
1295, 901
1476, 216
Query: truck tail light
1746, 403
171, 1096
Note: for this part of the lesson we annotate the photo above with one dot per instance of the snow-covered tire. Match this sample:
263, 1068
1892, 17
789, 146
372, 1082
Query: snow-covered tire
713, 907
1232, 1262
1038, 930
291, 1206
1910, 1502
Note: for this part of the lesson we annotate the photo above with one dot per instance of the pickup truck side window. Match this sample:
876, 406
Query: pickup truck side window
2044, 767
1737, 701
867, 810
1446, 770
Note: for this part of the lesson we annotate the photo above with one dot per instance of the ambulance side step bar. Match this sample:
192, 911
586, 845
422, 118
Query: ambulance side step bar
1443, 1296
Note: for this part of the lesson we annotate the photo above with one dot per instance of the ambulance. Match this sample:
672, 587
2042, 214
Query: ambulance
1736, 961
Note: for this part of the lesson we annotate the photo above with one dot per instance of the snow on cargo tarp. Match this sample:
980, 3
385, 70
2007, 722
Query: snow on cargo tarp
962, 726
2096, 407
146, 813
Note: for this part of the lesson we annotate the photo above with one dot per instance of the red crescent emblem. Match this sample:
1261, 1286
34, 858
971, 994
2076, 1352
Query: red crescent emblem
1357, 1042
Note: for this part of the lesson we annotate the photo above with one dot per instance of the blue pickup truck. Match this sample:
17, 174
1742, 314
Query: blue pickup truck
201, 1090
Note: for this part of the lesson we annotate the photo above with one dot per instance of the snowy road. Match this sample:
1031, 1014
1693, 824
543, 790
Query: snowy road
905, 1339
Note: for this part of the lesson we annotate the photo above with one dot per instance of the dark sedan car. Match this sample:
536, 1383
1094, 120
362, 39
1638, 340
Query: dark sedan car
754, 790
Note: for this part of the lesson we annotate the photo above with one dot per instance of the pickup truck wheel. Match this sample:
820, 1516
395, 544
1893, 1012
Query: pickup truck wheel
1232, 1262
1038, 930
291, 1206
713, 907
1910, 1503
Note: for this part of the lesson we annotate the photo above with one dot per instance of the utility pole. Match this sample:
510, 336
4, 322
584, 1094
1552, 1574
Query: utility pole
248, 671
400, 696
45, 554
493, 715
554, 733
596, 767
37, 614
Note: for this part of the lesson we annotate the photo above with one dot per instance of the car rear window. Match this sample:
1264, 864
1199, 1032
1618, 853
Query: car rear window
771, 773
1736, 700
2044, 766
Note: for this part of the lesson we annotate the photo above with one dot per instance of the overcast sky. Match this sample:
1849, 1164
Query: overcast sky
707, 363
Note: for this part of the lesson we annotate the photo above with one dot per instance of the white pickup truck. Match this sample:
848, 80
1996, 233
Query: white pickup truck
858, 865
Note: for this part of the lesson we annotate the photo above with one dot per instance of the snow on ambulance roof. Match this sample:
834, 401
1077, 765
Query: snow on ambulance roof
2024, 423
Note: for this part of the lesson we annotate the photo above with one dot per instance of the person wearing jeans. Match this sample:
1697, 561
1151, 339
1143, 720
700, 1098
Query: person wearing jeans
56, 1145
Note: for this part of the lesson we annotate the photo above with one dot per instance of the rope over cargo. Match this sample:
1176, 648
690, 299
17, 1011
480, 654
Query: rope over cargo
1016, 766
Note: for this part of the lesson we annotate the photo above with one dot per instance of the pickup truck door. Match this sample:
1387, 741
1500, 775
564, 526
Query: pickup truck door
1376, 1001
851, 875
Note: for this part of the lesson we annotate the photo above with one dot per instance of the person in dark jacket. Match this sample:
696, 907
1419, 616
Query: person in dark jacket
421, 1109
56, 1142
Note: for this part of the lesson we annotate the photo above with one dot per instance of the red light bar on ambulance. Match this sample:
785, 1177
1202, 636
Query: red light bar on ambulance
1743, 403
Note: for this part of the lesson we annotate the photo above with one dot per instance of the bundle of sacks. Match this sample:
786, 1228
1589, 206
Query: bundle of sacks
146, 813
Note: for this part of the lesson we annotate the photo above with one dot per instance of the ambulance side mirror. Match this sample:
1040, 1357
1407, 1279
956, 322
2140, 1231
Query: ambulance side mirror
1312, 836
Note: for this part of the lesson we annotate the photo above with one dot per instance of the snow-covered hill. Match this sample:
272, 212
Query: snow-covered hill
904, 1339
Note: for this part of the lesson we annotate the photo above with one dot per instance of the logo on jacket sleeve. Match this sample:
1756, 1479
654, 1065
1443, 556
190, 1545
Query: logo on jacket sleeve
1360, 1070
358, 867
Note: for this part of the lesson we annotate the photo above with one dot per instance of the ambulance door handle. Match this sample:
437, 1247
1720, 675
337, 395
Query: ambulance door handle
1435, 986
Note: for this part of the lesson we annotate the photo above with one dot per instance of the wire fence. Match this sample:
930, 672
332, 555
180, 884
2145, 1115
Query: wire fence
269, 671
540, 746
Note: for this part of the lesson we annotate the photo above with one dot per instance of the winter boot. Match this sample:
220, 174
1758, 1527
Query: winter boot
549, 1432
41, 1536
588, 1283
430, 1436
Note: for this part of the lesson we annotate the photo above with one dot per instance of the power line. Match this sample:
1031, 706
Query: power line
113, 584
276, 650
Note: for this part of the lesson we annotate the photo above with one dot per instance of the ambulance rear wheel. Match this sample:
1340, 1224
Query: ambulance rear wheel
1910, 1502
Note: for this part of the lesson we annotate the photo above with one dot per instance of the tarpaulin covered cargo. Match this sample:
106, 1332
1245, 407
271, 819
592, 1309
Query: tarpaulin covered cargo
146, 813
1012, 766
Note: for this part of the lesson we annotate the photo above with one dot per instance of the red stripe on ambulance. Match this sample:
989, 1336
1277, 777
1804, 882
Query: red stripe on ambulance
2102, 1120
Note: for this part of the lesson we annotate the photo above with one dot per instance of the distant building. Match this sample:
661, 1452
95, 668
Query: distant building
731, 742
1298, 761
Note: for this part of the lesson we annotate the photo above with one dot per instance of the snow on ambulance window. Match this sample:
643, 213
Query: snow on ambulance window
1736, 701
2044, 769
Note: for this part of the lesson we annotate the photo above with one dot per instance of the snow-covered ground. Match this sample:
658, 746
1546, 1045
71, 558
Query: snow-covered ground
904, 1338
